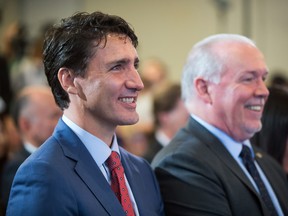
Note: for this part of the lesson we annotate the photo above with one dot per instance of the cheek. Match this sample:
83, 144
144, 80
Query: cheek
231, 101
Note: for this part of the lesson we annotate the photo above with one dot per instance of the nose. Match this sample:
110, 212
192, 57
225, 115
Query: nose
134, 81
262, 90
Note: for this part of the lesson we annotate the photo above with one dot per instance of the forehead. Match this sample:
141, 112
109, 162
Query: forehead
115, 44
116, 48
242, 57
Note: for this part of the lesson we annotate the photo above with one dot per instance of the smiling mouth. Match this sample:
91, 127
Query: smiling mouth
254, 108
128, 100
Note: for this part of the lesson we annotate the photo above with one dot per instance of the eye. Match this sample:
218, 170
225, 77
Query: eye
116, 67
136, 65
248, 78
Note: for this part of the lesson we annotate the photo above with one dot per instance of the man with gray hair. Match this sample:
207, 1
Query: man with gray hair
210, 167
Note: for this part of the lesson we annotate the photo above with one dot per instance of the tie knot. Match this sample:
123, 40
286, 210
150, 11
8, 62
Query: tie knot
113, 161
246, 153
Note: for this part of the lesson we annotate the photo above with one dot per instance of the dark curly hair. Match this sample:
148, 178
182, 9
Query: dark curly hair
73, 42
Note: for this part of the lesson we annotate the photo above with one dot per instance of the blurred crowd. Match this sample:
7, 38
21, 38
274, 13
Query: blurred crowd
26, 102
20, 66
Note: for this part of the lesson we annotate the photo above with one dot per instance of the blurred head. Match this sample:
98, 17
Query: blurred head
35, 114
153, 71
273, 137
223, 83
279, 80
168, 108
15, 38
74, 42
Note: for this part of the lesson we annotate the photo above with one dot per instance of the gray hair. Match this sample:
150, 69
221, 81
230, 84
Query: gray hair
206, 62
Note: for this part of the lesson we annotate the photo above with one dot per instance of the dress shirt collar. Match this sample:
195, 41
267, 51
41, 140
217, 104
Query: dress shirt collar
98, 149
162, 138
230, 144
29, 147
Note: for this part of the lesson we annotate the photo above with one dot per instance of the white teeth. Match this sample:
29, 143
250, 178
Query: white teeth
256, 108
127, 100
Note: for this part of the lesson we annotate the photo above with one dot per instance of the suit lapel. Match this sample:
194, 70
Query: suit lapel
87, 169
222, 153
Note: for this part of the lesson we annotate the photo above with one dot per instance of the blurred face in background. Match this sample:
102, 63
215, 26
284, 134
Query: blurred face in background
174, 119
39, 118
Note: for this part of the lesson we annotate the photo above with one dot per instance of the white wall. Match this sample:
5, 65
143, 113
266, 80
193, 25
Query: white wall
167, 28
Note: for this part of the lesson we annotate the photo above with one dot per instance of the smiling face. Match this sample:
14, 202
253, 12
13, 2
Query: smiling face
238, 100
106, 96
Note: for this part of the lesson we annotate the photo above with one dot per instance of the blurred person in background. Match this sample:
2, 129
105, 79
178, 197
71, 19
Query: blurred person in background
11, 134
279, 80
35, 114
9, 145
3, 159
273, 137
5, 85
15, 49
3, 144
30, 68
170, 114
153, 72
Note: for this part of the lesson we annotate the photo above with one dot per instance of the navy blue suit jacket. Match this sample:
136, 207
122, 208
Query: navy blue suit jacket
61, 178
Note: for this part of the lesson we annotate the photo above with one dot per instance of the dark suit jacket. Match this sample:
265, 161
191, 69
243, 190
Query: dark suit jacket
61, 178
154, 146
198, 176
9, 172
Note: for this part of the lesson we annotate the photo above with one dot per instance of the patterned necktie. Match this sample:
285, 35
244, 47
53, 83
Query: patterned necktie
250, 166
118, 184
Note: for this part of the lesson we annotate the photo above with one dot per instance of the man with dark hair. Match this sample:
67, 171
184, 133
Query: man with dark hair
91, 65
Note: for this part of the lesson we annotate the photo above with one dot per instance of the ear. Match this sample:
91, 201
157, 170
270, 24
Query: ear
202, 89
163, 116
66, 79
24, 124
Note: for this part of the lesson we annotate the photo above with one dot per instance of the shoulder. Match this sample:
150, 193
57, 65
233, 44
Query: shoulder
184, 146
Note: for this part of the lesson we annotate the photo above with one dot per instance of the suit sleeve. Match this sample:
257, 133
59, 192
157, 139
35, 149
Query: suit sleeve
40, 194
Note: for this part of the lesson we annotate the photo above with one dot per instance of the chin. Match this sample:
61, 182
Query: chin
129, 121
251, 131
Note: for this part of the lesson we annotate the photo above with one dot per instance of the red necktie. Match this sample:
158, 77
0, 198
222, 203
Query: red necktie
118, 184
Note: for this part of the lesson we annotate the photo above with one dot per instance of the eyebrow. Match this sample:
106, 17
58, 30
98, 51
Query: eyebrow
122, 61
